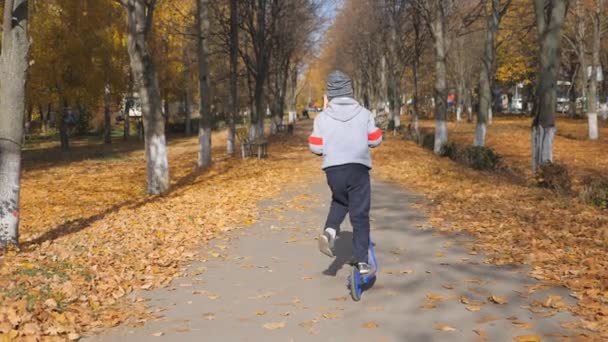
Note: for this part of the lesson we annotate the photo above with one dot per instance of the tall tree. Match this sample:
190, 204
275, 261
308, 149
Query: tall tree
13, 69
436, 14
256, 54
233, 96
494, 10
596, 15
204, 132
550, 16
140, 15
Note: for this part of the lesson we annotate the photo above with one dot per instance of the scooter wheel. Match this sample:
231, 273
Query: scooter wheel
355, 284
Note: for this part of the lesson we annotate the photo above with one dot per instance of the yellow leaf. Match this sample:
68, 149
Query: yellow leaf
527, 338
473, 308
498, 299
443, 327
274, 325
370, 325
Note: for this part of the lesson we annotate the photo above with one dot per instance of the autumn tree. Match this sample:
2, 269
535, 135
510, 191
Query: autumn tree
550, 16
596, 14
233, 96
494, 11
140, 15
13, 69
436, 14
204, 135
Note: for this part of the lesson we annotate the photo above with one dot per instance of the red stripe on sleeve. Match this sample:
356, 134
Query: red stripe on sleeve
375, 135
315, 140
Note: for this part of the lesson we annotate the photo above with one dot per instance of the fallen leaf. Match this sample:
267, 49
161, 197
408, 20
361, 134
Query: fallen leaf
73, 337
210, 316
260, 312
527, 338
482, 334
158, 334
488, 318
308, 324
473, 308
331, 315
498, 299
370, 325
521, 325
274, 325
443, 327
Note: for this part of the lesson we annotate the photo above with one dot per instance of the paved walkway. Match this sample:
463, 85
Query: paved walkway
269, 283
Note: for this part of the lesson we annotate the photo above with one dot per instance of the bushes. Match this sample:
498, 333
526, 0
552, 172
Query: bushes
595, 192
481, 158
476, 157
555, 177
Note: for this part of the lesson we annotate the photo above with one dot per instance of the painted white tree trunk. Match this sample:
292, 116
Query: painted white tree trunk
596, 63
441, 94
480, 134
490, 115
542, 145
459, 112
441, 135
13, 68
146, 78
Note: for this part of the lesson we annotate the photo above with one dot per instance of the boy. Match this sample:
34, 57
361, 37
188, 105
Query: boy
342, 134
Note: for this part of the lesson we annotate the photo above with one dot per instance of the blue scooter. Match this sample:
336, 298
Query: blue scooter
357, 283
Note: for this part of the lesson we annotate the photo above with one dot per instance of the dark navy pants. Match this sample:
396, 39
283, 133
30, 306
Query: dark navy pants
351, 194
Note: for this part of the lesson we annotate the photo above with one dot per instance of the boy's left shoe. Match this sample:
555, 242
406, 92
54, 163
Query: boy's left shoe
326, 243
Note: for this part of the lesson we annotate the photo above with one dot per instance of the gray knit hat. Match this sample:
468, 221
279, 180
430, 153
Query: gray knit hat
339, 85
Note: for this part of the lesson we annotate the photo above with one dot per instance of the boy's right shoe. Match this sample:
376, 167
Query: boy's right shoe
326, 243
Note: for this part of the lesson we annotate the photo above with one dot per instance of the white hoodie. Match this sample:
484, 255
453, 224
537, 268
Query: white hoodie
343, 134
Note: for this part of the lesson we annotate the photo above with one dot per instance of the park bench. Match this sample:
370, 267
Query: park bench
248, 146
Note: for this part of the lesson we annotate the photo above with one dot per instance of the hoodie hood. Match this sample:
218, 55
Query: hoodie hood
343, 109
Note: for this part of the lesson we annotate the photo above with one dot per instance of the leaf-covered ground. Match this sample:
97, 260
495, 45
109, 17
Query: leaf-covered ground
90, 235
563, 240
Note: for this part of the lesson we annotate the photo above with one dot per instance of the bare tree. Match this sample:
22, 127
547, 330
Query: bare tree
596, 16
233, 96
256, 54
550, 16
204, 132
436, 14
140, 15
13, 70
494, 10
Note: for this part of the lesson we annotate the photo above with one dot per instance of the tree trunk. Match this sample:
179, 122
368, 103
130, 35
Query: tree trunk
595, 65
128, 106
459, 101
234, 43
204, 131
415, 65
187, 109
107, 115
63, 127
469, 104
487, 74
441, 94
140, 15
549, 22
13, 68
